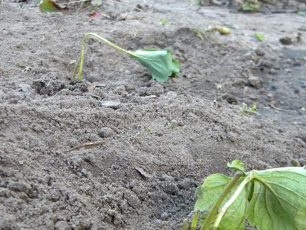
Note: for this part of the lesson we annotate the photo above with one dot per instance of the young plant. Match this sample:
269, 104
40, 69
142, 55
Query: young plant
159, 63
251, 6
259, 37
272, 199
248, 110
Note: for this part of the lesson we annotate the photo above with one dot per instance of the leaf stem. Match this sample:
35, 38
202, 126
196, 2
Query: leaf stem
231, 201
215, 209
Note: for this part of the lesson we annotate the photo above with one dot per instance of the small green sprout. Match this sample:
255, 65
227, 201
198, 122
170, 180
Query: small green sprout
159, 63
259, 37
164, 22
248, 110
251, 6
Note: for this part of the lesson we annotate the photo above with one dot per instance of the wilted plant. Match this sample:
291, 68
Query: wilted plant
159, 63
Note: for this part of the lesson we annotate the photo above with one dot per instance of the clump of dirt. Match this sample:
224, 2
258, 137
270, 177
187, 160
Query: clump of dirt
120, 151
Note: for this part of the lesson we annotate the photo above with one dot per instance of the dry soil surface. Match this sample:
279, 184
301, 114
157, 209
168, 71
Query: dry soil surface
121, 151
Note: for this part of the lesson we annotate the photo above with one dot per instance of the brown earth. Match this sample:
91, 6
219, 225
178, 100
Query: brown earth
120, 151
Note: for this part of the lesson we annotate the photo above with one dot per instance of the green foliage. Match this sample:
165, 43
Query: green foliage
160, 63
272, 199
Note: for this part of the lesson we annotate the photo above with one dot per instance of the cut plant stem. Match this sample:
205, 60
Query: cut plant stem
215, 209
80, 65
226, 206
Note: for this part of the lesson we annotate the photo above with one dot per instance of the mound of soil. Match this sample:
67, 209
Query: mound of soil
120, 151
267, 6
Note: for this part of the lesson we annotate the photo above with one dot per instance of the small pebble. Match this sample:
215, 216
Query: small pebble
106, 132
255, 82
19, 187
164, 216
110, 104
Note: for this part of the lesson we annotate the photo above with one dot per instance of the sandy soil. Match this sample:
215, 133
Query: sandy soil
120, 151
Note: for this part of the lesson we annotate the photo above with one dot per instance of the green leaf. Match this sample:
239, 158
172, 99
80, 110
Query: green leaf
279, 199
48, 6
160, 63
208, 195
236, 165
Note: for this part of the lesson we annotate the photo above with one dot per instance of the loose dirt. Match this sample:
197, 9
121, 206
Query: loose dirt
120, 151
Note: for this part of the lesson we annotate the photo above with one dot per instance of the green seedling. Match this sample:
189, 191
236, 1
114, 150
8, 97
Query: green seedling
164, 22
204, 33
259, 37
248, 110
271, 199
159, 63
251, 6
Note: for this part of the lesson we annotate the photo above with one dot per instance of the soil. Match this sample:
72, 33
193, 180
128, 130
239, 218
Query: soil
121, 151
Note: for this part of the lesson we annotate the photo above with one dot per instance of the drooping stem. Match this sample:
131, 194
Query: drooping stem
215, 209
231, 200
107, 42
80, 65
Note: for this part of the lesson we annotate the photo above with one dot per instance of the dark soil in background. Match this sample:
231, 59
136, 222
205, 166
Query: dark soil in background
154, 143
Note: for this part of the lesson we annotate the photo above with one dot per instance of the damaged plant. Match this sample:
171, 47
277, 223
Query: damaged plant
271, 199
160, 63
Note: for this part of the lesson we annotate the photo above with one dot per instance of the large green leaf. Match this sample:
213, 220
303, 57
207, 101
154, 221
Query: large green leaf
159, 63
208, 195
279, 199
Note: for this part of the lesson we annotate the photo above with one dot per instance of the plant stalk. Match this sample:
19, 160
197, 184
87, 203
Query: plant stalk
231, 201
80, 64
215, 209
107, 42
